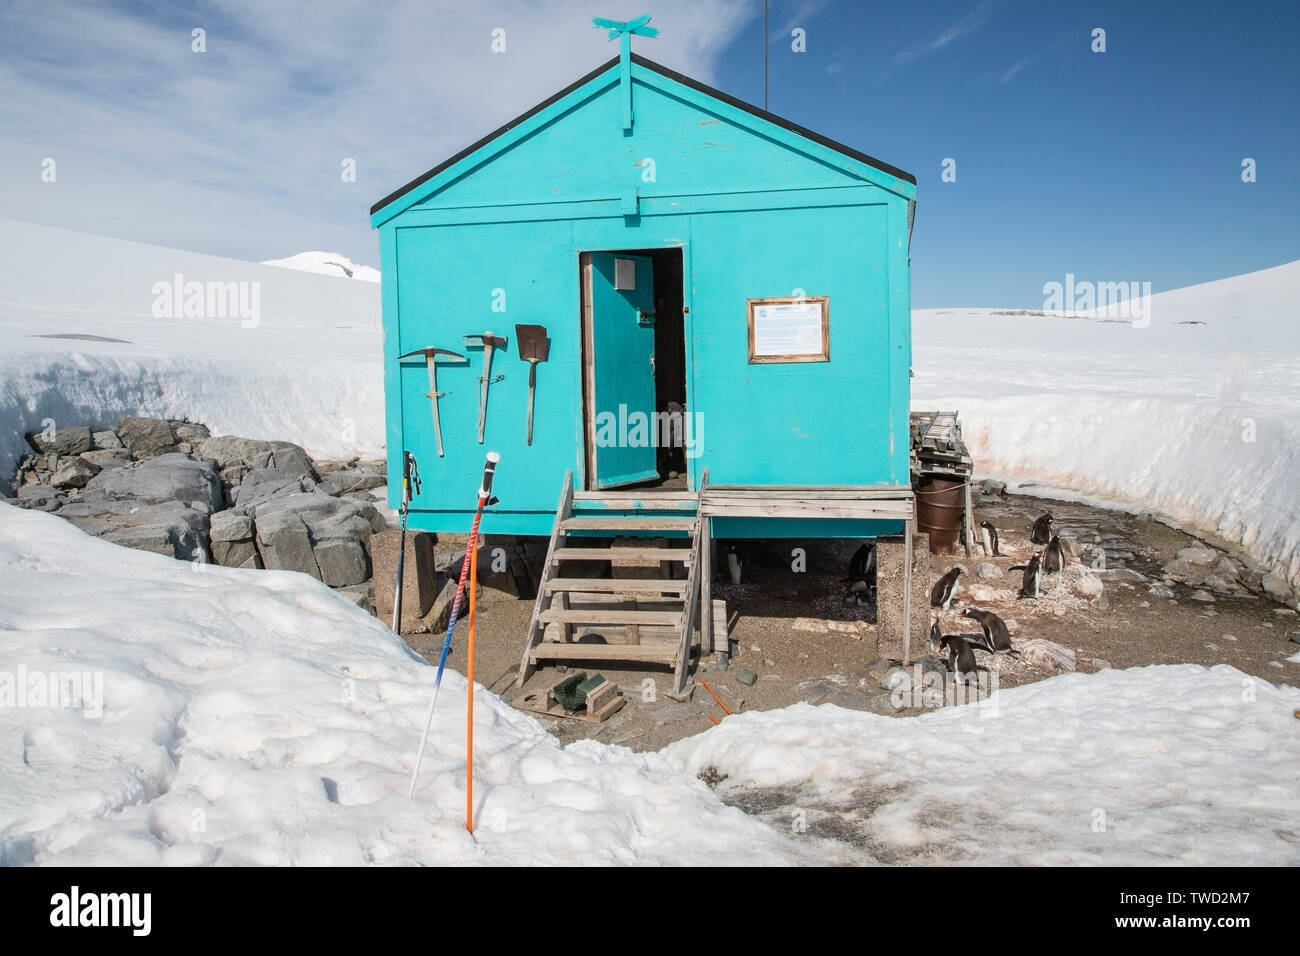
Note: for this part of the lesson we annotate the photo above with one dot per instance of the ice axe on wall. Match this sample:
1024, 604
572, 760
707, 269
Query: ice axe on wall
488, 342
431, 359
534, 346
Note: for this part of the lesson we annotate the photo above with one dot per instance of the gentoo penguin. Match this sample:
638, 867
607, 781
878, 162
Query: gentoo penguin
941, 593
1030, 585
936, 633
990, 535
961, 658
1053, 557
1042, 529
863, 563
996, 634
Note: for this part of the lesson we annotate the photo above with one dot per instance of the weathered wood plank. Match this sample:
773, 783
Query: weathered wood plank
618, 585
611, 616
622, 554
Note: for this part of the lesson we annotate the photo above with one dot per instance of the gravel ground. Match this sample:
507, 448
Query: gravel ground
800, 639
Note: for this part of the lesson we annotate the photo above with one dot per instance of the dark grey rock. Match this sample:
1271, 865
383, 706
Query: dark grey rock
106, 440
818, 693
284, 543
168, 528
269, 482
1204, 596
1122, 574
62, 441
746, 676
988, 571
107, 457
74, 473
190, 432
146, 437
235, 456
1294, 637
849, 701
342, 562
170, 477
1160, 591
351, 480
233, 541
991, 486
883, 704
1276, 587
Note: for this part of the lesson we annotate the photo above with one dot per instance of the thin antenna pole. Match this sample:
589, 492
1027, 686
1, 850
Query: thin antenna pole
764, 54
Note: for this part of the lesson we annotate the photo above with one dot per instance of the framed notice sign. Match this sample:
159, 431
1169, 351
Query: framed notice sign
790, 329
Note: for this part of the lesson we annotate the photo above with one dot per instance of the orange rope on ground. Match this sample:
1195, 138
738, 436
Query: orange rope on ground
712, 718
716, 697
469, 699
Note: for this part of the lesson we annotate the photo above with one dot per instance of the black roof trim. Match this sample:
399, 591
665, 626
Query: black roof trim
672, 75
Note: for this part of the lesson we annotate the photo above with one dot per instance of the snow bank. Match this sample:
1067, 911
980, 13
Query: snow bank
255, 717
1196, 416
1153, 765
326, 263
81, 342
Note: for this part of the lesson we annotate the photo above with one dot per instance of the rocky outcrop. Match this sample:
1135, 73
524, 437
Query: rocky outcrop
146, 437
61, 441
170, 477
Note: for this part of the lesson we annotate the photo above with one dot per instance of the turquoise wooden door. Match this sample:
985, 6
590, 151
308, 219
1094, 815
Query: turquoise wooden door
623, 381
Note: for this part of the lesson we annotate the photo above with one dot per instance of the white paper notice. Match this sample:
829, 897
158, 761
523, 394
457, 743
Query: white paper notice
793, 328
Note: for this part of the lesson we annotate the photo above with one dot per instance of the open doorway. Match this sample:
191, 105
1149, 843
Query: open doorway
634, 369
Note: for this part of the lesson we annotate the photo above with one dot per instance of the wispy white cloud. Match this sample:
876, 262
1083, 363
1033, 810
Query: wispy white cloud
238, 151
965, 26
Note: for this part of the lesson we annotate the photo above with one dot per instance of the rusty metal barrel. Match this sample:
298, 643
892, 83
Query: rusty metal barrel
940, 503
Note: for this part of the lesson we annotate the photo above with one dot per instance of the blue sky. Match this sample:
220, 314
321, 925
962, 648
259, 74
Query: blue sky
1123, 165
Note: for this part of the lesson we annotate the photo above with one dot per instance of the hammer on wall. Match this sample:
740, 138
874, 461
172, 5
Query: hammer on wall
431, 360
488, 342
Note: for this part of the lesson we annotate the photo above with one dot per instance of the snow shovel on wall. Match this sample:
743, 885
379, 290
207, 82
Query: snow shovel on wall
534, 346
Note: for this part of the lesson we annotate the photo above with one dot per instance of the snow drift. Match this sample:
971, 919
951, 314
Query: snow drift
326, 263
90, 330
255, 717
1196, 416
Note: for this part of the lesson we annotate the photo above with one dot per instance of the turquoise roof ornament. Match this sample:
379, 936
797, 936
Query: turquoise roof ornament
623, 30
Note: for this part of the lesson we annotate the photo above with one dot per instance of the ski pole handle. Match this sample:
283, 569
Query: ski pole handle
489, 472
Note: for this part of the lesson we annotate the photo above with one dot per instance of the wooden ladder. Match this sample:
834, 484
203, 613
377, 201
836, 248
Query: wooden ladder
606, 619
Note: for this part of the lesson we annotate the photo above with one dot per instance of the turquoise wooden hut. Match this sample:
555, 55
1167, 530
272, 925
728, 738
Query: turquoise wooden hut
726, 299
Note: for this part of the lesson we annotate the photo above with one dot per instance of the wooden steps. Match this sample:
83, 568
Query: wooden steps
607, 615
617, 586
686, 525
656, 653
622, 554
618, 605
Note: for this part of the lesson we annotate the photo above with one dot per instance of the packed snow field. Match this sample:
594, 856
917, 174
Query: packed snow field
252, 717
87, 333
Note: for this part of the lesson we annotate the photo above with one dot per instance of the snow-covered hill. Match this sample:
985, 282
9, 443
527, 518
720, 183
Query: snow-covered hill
326, 263
1196, 416
93, 328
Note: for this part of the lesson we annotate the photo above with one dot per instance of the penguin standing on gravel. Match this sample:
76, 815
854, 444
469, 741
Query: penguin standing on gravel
995, 630
990, 535
942, 592
1042, 532
1053, 556
1031, 583
961, 658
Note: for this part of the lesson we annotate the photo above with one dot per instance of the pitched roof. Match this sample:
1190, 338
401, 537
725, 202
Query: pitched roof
676, 77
